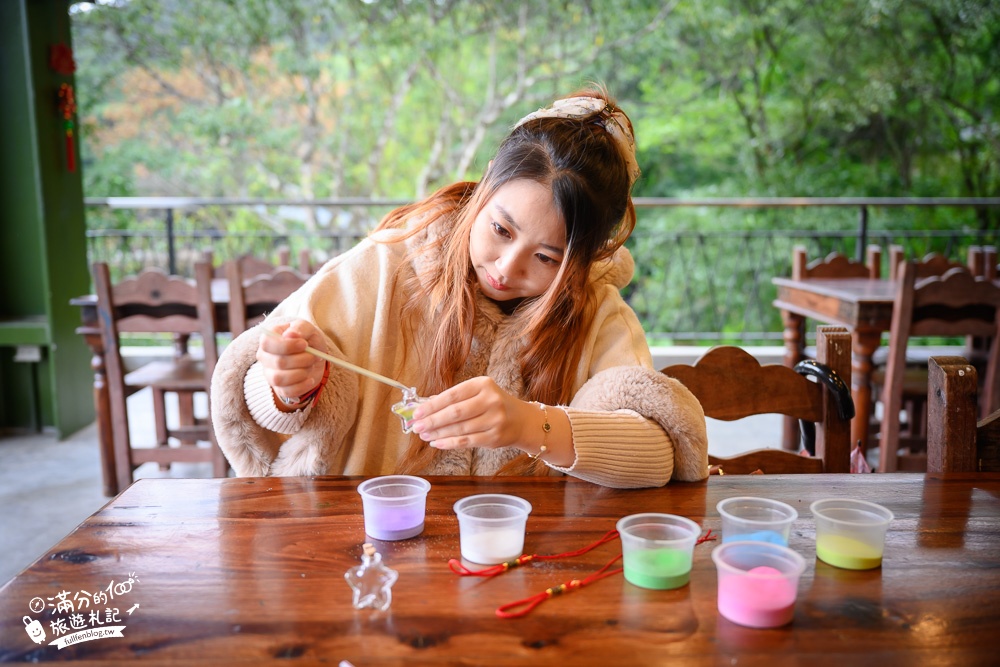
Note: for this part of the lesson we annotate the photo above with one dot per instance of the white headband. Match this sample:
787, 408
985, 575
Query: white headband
578, 107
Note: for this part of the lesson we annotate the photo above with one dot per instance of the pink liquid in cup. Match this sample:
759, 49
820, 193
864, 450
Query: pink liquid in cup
758, 583
761, 601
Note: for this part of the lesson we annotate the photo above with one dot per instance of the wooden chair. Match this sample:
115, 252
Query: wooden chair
154, 302
307, 266
836, 265
251, 298
956, 443
250, 265
931, 264
304, 261
731, 384
953, 304
982, 261
914, 402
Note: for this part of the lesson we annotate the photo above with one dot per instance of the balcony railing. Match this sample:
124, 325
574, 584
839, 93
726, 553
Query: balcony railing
703, 267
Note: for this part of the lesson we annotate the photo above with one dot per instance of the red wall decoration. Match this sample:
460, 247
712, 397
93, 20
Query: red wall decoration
61, 61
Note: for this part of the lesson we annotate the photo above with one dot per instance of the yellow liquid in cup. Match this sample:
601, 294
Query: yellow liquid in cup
847, 553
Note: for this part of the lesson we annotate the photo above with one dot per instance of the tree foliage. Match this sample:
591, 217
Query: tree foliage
826, 97
324, 98
306, 98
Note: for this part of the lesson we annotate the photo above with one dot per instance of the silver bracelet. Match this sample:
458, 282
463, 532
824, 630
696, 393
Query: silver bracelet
288, 401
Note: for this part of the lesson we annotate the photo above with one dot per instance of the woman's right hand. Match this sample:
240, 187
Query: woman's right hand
288, 368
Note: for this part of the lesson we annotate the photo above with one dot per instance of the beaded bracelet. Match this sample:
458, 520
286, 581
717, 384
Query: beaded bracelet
546, 427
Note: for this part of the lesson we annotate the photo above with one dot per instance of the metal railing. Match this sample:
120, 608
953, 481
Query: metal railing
703, 266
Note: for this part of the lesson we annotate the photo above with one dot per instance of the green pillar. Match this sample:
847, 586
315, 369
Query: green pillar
43, 248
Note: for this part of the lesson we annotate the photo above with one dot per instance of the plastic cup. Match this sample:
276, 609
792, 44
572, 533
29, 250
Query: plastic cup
748, 519
491, 527
657, 549
394, 506
758, 582
850, 534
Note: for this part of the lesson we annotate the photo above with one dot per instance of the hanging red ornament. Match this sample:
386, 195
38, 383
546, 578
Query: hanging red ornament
67, 106
61, 59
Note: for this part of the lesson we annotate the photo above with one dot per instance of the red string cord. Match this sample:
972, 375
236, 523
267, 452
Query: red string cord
504, 611
457, 567
529, 603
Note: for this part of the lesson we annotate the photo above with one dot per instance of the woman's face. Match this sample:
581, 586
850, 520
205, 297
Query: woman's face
518, 241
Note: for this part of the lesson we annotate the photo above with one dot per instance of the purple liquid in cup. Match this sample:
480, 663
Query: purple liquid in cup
394, 506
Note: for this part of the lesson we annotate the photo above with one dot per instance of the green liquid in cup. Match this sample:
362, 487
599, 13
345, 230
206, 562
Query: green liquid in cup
659, 569
847, 553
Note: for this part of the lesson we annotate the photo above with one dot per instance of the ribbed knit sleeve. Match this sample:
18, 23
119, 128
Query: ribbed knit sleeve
634, 427
260, 402
620, 449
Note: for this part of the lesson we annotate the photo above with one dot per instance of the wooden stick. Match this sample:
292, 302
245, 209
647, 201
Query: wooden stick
346, 364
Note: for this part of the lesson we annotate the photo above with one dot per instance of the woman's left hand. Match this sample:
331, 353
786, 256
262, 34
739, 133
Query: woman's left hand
475, 413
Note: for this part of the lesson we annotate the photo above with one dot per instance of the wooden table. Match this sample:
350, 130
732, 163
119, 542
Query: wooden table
251, 571
91, 332
862, 305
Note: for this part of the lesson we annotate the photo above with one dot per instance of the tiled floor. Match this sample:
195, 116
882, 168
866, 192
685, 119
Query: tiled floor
48, 487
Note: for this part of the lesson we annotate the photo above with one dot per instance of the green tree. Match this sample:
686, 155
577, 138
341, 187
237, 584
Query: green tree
820, 97
306, 98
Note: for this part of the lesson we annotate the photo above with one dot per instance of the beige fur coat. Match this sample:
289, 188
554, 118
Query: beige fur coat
632, 426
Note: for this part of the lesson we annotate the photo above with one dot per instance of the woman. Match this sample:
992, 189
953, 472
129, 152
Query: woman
499, 301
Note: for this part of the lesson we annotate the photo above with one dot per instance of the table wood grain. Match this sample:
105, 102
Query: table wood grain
251, 571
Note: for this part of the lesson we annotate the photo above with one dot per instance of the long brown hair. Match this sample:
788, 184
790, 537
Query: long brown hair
582, 164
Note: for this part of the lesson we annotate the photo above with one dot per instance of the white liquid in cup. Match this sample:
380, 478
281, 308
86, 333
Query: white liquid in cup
491, 527
492, 546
